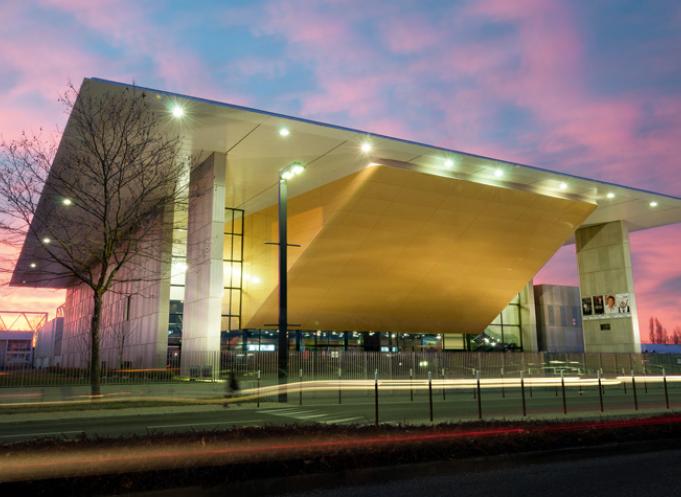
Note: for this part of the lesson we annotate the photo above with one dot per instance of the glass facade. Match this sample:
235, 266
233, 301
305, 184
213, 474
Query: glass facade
232, 268
505, 330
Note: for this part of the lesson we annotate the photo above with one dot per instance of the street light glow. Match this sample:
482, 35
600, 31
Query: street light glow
66, 201
498, 173
366, 147
562, 185
292, 170
449, 163
610, 195
653, 204
177, 111
46, 240
33, 265
284, 132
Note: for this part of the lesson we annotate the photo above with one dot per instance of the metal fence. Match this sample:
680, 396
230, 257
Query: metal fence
358, 365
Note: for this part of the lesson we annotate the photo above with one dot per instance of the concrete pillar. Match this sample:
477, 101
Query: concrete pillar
528, 318
604, 263
204, 279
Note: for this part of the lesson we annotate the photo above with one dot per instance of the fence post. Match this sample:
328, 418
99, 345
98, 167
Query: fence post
666, 392
603, 388
340, 381
430, 394
529, 373
562, 387
600, 389
624, 383
645, 379
376, 397
522, 392
258, 390
477, 378
475, 391
443, 384
633, 388
300, 386
411, 384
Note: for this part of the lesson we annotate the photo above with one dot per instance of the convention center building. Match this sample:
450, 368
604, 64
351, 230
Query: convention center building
393, 245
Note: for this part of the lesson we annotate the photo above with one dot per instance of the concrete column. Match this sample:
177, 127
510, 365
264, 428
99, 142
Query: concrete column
604, 263
204, 279
528, 318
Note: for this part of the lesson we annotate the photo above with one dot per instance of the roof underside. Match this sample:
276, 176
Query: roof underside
257, 152
392, 249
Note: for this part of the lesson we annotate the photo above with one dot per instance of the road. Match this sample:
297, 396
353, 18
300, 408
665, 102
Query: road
356, 408
628, 475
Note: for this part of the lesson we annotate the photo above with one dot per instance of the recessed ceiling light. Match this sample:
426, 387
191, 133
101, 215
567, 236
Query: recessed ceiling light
284, 132
653, 203
498, 173
366, 147
610, 195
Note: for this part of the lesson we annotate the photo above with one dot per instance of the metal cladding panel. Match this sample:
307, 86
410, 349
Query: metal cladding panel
389, 249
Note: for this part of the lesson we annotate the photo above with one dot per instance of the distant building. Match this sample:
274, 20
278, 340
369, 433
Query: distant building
48, 345
559, 318
17, 337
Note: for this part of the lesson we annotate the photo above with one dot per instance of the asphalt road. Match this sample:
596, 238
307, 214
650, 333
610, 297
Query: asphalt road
316, 408
629, 475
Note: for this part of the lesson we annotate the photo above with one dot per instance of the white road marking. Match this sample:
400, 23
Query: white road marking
341, 421
311, 416
275, 411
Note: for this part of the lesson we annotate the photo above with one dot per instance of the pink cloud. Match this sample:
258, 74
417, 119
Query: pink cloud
409, 34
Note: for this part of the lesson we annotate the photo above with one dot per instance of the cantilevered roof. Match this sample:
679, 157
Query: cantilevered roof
257, 152
392, 249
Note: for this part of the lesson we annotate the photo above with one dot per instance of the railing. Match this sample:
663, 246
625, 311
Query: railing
357, 365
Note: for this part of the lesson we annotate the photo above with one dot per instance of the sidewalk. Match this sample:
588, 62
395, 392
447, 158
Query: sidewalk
8, 417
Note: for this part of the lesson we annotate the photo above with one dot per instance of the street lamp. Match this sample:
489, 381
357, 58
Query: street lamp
289, 172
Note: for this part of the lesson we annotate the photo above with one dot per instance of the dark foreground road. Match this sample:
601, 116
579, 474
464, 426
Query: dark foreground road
567, 475
637, 475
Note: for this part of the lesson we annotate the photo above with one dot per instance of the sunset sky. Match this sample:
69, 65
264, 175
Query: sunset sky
590, 88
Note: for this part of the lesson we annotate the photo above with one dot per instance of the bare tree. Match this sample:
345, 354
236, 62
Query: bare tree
677, 335
96, 208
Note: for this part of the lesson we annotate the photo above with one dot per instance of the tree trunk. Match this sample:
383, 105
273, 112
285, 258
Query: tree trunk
95, 380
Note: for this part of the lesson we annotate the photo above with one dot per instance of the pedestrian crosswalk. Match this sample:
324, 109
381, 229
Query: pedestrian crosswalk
312, 415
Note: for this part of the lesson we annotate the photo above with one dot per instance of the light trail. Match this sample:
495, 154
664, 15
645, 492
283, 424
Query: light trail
139, 456
331, 386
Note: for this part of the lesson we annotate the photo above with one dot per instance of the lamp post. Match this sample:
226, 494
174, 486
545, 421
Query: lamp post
286, 174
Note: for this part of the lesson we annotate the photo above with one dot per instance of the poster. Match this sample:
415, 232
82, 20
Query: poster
610, 304
599, 308
587, 306
623, 303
